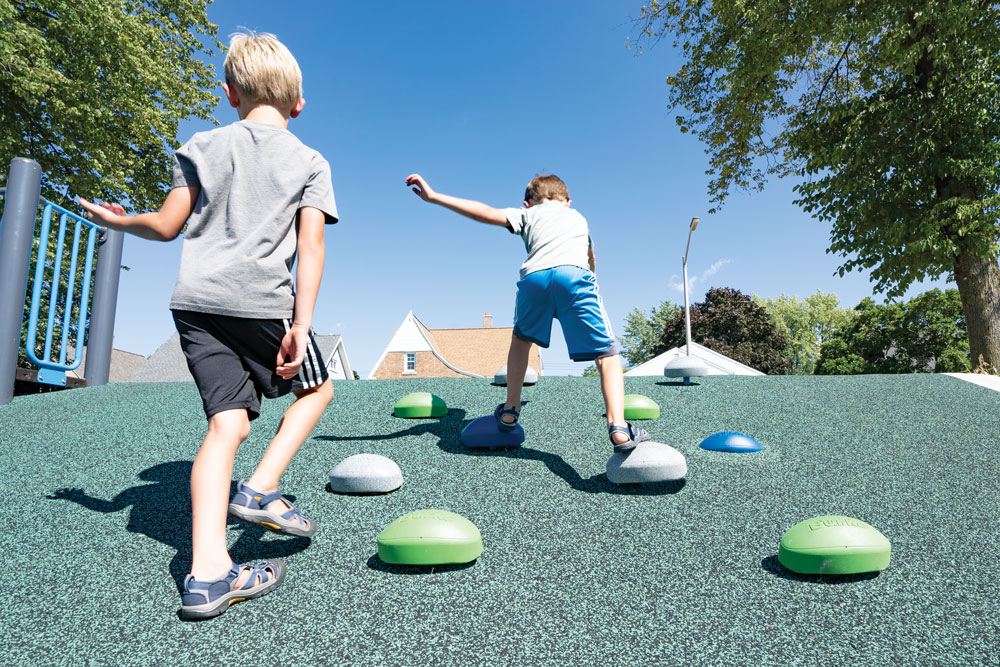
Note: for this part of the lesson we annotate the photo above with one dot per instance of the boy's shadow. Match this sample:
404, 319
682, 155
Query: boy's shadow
162, 511
448, 430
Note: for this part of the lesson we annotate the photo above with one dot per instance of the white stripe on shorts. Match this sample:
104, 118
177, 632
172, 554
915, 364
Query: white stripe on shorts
307, 368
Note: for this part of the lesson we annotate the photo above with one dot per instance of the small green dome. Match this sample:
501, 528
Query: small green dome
420, 405
430, 537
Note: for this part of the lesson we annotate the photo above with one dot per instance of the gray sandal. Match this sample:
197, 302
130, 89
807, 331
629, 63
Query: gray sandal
206, 599
501, 411
249, 506
636, 434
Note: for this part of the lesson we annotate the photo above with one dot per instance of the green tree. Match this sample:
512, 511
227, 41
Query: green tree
94, 91
807, 324
927, 333
730, 323
888, 113
642, 332
591, 371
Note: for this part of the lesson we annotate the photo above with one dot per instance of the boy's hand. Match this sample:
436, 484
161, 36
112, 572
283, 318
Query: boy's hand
292, 352
105, 212
421, 189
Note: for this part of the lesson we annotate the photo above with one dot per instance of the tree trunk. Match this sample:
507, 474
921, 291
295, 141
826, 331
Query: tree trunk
978, 281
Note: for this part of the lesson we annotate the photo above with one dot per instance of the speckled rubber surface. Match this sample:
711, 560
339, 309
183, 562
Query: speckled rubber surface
574, 571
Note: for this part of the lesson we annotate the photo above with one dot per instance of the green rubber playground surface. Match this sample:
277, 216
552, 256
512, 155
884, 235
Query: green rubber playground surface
574, 571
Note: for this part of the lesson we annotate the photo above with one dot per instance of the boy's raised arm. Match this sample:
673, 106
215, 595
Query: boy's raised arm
468, 207
162, 225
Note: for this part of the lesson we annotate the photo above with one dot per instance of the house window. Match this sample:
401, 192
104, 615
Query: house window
410, 363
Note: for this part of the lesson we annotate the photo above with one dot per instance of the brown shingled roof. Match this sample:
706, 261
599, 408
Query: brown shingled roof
482, 351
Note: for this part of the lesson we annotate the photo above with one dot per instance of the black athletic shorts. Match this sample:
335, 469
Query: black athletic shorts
233, 360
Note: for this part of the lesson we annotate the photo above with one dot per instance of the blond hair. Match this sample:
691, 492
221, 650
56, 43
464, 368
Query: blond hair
546, 186
264, 69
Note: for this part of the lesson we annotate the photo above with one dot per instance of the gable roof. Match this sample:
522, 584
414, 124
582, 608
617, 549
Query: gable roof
478, 352
718, 364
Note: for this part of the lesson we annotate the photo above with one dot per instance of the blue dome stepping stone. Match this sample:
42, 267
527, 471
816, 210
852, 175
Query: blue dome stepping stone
366, 473
420, 405
484, 433
685, 367
430, 537
638, 406
649, 462
500, 377
731, 441
834, 545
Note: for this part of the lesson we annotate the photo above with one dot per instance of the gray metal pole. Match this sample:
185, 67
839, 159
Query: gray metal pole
102, 310
24, 182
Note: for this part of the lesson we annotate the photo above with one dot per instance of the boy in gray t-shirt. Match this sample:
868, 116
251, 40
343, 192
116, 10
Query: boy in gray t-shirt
254, 198
557, 280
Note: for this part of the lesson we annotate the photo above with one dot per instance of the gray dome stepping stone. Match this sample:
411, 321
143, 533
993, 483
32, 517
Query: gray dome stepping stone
685, 367
366, 473
530, 376
648, 462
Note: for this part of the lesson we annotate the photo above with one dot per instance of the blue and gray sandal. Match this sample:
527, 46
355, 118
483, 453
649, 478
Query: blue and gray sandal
500, 412
206, 599
249, 506
636, 434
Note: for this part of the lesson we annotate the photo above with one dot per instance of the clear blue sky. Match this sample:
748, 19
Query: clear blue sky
479, 97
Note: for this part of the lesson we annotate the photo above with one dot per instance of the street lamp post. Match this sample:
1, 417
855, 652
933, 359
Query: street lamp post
687, 307
686, 366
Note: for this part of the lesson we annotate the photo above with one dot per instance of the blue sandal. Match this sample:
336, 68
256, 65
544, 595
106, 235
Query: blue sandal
636, 434
501, 411
206, 599
249, 506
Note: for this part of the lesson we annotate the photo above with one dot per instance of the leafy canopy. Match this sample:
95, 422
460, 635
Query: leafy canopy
888, 112
927, 333
93, 91
807, 324
730, 323
642, 332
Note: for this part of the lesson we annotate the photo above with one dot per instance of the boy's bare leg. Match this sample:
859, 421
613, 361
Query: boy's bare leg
613, 388
297, 423
517, 366
210, 477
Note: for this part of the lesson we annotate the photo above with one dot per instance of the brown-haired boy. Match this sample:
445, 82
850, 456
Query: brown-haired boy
557, 280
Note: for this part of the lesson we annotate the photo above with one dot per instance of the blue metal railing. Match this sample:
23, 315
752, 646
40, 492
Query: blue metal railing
53, 371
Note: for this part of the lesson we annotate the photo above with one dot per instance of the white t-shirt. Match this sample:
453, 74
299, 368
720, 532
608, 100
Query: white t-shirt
553, 234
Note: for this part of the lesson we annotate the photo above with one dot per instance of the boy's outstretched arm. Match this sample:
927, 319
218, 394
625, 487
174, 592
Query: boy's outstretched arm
311, 253
162, 225
468, 207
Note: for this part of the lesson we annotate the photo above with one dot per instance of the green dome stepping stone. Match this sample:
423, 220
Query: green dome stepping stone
430, 537
834, 545
638, 406
420, 405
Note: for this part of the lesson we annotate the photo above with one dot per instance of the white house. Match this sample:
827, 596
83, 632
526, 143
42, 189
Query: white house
718, 364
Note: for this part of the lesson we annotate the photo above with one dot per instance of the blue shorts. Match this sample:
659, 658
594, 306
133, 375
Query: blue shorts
568, 293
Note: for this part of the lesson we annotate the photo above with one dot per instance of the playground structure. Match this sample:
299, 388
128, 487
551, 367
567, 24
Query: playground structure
93, 330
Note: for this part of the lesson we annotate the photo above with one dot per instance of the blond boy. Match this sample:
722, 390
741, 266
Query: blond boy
254, 198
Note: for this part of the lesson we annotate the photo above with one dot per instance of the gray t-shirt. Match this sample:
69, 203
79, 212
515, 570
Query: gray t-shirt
554, 235
241, 240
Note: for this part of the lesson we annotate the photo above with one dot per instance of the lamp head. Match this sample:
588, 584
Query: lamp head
694, 223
